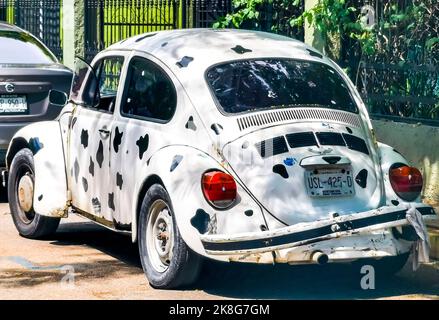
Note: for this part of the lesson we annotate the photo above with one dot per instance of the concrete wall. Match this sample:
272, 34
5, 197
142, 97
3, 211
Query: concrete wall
420, 146
73, 31
312, 36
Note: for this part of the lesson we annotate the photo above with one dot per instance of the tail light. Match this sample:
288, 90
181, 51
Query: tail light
219, 189
406, 181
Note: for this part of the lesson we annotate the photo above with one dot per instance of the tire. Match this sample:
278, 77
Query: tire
176, 265
28, 223
387, 266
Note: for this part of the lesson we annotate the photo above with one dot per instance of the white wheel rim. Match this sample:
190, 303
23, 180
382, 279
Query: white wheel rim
26, 193
160, 236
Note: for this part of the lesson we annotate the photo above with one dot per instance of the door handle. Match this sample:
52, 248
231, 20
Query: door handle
104, 133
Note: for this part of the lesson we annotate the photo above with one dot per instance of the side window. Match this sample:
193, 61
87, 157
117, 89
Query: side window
108, 71
149, 93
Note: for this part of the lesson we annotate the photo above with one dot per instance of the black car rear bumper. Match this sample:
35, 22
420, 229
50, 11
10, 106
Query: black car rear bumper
7, 131
3, 178
3, 173
2, 158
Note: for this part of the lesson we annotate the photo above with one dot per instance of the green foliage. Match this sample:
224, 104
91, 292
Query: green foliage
245, 10
329, 17
334, 18
400, 46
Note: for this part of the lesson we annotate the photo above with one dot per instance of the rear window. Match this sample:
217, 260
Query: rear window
253, 85
22, 48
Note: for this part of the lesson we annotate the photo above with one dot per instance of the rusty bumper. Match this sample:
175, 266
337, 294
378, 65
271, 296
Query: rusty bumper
312, 232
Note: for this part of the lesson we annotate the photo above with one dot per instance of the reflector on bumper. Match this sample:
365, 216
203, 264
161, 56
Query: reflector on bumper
305, 233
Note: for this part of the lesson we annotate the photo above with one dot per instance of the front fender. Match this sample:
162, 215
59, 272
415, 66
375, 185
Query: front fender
45, 141
180, 168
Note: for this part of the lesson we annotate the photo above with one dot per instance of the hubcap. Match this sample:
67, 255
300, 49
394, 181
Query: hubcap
160, 236
26, 193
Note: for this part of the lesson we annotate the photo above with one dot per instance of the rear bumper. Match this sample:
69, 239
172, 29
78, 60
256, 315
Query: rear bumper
312, 233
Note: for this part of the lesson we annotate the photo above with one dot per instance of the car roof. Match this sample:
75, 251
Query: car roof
4, 26
206, 47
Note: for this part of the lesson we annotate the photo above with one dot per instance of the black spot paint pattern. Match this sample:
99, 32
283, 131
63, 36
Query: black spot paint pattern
40, 197
76, 169
84, 184
84, 138
119, 180
184, 62
117, 139
143, 144
217, 128
248, 213
281, 170
122, 226
314, 53
361, 178
190, 124
200, 221
96, 205
111, 201
100, 154
91, 167
240, 49
175, 162
35, 145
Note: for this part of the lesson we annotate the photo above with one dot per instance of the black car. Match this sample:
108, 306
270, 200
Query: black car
28, 71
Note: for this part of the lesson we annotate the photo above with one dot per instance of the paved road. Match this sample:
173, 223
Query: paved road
106, 266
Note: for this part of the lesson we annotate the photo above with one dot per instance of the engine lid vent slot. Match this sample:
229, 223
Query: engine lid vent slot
272, 147
297, 114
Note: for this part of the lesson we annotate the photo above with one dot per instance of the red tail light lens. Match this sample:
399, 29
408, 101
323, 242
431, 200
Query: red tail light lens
219, 189
406, 181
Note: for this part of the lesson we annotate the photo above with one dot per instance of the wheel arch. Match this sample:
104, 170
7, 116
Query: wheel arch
147, 183
15, 146
44, 140
179, 170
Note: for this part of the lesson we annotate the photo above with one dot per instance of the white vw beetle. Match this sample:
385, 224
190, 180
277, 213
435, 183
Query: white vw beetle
232, 145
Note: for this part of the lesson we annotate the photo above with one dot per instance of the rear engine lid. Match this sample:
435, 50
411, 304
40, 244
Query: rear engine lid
303, 172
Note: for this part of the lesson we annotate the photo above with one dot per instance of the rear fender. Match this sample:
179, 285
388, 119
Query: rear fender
45, 141
180, 170
388, 157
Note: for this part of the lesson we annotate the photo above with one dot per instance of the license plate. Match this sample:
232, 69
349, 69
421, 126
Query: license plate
13, 104
329, 182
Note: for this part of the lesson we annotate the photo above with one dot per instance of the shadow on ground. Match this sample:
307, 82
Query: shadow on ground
247, 281
3, 196
95, 269
228, 280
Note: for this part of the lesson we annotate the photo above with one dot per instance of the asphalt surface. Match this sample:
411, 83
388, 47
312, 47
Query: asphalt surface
85, 261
